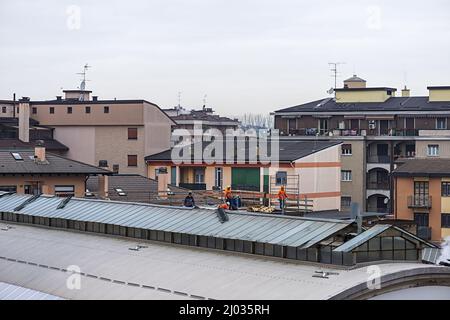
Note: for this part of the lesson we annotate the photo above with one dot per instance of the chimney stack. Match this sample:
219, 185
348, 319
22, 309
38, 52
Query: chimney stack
163, 182
39, 151
24, 119
405, 92
103, 182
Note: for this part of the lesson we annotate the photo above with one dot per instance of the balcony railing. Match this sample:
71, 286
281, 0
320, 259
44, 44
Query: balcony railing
193, 186
419, 201
379, 159
352, 132
376, 209
378, 185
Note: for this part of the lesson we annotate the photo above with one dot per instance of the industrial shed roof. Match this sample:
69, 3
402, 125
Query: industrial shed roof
373, 232
12, 292
277, 230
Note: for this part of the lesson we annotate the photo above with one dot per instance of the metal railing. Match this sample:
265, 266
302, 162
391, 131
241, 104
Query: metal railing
419, 201
193, 186
378, 159
378, 185
424, 232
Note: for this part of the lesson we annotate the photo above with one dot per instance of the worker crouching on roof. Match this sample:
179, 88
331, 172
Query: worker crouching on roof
229, 199
282, 196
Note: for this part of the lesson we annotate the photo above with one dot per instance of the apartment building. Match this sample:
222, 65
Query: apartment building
378, 129
422, 194
121, 132
200, 120
28, 171
309, 169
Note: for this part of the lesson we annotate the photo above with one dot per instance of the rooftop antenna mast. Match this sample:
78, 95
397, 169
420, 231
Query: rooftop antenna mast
83, 82
334, 69
179, 99
204, 101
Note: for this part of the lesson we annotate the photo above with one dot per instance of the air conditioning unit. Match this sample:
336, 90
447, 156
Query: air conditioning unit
372, 125
342, 125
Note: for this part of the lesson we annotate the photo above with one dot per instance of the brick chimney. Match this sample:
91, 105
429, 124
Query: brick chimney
39, 152
103, 182
405, 92
163, 182
24, 119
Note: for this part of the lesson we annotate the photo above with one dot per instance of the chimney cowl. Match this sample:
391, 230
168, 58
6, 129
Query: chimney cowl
59, 98
103, 163
94, 98
24, 99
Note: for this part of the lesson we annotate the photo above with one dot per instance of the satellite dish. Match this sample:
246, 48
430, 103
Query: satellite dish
83, 85
330, 91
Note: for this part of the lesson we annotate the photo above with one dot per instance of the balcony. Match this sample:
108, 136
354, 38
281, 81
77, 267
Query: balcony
378, 159
375, 185
419, 202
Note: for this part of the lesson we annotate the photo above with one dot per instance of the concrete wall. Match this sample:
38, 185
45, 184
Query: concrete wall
439, 95
48, 181
80, 140
119, 114
362, 96
356, 189
158, 130
422, 146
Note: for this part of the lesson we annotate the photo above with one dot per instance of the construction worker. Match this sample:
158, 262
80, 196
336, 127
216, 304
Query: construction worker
282, 196
228, 198
189, 201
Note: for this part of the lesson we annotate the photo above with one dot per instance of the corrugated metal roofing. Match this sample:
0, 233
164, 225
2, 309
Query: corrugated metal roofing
12, 292
277, 230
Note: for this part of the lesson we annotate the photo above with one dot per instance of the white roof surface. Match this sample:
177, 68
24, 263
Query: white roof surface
36, 258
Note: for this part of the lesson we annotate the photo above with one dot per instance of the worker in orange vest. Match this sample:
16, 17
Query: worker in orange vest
228, 198
282, 196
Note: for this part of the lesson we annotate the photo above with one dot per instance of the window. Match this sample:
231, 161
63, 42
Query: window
8, 188
4, 109
346, 201
120, 192
52, 110
87, 109
34, 110
445, 189
64, 191
199, 175
173, 176
218, 178
323, 126
132, 160
16, 156
132, 133
433, 150
445, 220
346, 149
346, 175
106, 109
421, 219
115, 168
281, 178
441, 123
69, 109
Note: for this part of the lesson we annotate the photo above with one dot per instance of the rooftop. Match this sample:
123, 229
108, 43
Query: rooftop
134, 187
37, 258
393, 104
354, 78
50, 144
424, 167
289, 150
21, 161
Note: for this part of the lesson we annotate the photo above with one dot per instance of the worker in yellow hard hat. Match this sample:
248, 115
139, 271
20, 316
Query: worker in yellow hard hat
227, 195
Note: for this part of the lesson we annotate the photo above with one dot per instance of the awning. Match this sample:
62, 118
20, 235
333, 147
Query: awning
354, 117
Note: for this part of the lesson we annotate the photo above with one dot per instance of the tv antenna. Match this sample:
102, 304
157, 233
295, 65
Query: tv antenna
83, 81
334, 69
204, 100
179, 99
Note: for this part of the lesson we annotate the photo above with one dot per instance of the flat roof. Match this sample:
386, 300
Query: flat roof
37, 258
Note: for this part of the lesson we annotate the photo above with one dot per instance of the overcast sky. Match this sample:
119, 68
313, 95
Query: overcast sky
245, 55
